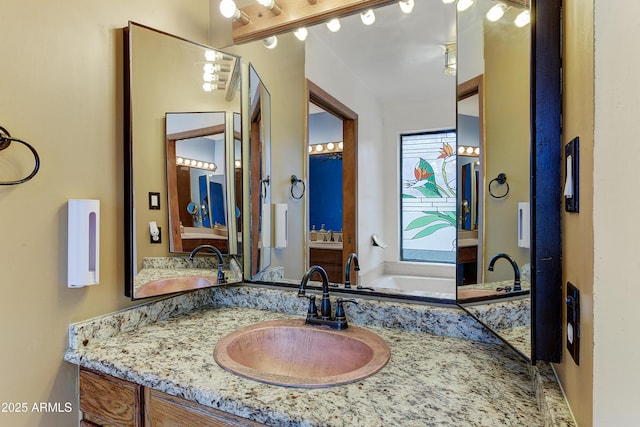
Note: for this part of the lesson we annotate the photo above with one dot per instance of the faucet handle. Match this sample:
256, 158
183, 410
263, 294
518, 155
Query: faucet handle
340, 315
312, 312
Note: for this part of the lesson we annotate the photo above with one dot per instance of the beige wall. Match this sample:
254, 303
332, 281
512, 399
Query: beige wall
578, 228
61, 85
507, 143
282, 72
616, 292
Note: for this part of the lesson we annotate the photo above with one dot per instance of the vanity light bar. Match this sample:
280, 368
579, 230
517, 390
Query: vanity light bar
468, 151
183, 161
328, 147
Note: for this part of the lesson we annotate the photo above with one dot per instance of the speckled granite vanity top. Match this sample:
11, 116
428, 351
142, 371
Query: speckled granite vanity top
430, 379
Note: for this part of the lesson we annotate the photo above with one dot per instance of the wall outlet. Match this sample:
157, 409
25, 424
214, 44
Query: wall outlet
573, 322
156, 238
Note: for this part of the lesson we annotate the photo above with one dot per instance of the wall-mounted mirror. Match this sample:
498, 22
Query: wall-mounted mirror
494, 157
197, 181
180, 104
417, 96
259, 118
331, 63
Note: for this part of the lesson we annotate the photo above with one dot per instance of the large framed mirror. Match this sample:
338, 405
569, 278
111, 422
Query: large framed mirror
420, 97
182, 103
493, 66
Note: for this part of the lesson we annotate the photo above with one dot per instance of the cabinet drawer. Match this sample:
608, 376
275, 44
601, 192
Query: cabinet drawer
467, 254
162, 410
105, 400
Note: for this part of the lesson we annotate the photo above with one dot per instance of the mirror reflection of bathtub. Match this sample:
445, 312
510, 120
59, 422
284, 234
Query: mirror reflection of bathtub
431, 287
431, 282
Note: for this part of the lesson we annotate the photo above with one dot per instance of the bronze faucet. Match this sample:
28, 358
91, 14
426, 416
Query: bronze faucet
347, 269
325, 318
192, 255
516, 270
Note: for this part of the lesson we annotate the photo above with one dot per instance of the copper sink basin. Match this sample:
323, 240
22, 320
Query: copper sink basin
288, 353
175, 284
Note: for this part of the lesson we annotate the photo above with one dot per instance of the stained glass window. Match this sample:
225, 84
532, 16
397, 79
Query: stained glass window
428, 197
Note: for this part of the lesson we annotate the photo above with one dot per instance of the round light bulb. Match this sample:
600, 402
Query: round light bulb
464, 5
334, 25
228, 8
522, 19
212, 55
301, 33
199, 164
207, 87
179, 160
368, 17
270, 42
238, 163
210, 77
205, 165
211, 68
461, 149
496, 12
469, 150
476, 150
406, 5
193, 162
319, 148
340, 145
330, 146
310, 149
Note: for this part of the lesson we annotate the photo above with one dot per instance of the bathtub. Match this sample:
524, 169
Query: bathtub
432, 287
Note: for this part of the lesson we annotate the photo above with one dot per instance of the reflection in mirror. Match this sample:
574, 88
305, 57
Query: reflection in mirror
493, 115
196, 181
164, 78
406, 93
259, 174
238, 182
325, 192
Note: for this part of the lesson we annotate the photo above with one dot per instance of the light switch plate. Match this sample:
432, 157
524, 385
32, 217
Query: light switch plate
572, 155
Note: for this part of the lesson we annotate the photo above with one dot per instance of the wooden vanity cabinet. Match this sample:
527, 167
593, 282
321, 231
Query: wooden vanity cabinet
330, 260
108, 401
467, 265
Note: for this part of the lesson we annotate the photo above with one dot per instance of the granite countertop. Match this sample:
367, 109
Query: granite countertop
429, 380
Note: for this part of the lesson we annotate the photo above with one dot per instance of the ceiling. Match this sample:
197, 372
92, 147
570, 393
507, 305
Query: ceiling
401, 56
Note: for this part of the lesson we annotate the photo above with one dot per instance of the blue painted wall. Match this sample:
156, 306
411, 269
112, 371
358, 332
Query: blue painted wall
325, 189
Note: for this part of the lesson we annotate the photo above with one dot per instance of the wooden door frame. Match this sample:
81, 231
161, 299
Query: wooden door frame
318, 96
472, 87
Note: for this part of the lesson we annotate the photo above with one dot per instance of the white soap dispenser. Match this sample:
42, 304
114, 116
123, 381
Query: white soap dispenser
83, 245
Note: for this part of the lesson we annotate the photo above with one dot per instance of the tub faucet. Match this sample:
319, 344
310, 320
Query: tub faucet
516, 270
347, 269
326, 319
192, 255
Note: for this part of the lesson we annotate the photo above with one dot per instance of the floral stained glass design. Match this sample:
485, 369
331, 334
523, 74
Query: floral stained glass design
428, 197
